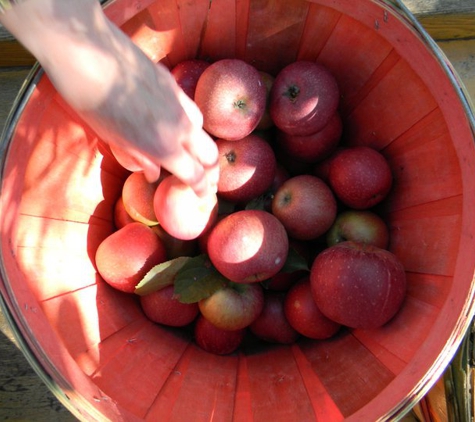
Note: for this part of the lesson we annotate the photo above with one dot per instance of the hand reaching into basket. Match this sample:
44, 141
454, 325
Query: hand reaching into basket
130, 102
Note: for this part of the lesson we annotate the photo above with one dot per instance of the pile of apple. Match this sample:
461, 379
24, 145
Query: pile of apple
290, 246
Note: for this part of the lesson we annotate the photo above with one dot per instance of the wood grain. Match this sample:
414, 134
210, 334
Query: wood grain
11, 80
449, 26
439, 7
461, 54
23, 395
445, 19
14, 54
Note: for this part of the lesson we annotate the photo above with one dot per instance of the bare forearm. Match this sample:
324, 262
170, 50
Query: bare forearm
127, 99
95, 67
70, 37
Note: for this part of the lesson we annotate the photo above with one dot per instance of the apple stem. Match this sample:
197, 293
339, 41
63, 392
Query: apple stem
239, 104
231, 157
293, 92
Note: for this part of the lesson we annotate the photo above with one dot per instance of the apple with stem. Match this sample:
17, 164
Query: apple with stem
306, 206
304, 97
232, 98
246, 168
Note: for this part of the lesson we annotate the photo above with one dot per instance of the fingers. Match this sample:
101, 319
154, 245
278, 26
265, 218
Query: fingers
194, 161
186, 151
191, 172
200, 146
203, 147
191, 109
150, 170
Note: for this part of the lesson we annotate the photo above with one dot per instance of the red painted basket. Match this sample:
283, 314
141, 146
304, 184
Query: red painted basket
95, 348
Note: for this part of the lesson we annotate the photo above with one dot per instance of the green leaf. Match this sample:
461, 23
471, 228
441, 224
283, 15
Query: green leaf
294, 262
265, 283
197, 280
225, 207
160, 276
259, 203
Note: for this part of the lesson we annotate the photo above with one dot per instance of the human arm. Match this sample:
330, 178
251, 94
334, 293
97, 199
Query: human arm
127, 99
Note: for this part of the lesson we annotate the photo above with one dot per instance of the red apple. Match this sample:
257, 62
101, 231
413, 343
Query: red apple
125, 256
137, 195
248, 246
360, 177
182, 213
306, 207
215, 340
234, 306
272, 324
246, 168
232, 98
358, 285
121, 216
187, 73
321, 169
304, 315
162, 307
360, 226
266, 121
314, 147
304, 96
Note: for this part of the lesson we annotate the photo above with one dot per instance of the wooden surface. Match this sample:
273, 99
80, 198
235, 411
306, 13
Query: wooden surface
445, 19
23, 396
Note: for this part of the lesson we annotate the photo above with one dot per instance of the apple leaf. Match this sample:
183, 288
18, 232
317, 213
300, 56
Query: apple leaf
259, 202
197, 280
160, 276
294, 262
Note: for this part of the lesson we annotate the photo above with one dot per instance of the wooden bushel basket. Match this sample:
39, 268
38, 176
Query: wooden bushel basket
95, 348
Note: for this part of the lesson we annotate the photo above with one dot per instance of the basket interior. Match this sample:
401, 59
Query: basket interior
60, 184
